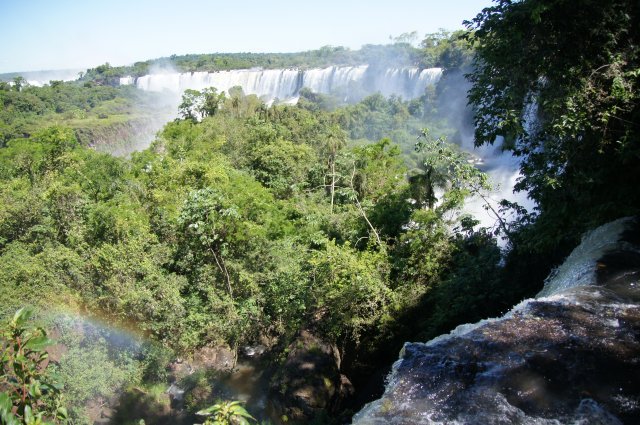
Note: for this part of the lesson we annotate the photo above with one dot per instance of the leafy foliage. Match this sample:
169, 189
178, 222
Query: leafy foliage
226, 413
30, 394
240, 221
558, 81
90, 372
92, 111
244, 222
399, 53
350, 288
451, 51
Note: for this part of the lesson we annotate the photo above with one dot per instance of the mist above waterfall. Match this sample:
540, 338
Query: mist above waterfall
352, 83
40, 78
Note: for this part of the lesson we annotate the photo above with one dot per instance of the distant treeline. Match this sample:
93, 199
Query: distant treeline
442, 49
59, 74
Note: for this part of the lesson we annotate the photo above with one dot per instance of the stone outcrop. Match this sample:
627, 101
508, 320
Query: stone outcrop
571, 355
309, 383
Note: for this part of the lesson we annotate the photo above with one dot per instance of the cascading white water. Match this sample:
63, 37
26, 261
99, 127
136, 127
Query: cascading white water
285, 84
406, 82
569, 355
127, 81
578, 269
329, 80
503, 169
271, 83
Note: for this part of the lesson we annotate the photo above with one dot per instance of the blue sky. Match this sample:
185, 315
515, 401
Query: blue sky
57, 34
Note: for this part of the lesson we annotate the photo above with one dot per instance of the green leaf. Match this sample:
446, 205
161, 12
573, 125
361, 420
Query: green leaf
28, 415
34, 389
6, 416
21, 316
38, 343
241, 411
62, 413
208, 411
5, 403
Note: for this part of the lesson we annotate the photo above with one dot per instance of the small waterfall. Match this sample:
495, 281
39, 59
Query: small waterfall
569, 356
127, 81
503, 169
578, 269
350, 82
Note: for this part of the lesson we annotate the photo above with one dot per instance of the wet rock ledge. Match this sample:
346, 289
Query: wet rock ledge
571, 355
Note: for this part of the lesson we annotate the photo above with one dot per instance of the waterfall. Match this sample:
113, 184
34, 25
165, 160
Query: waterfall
350, 82
568, 356
127, 81
503, 169
332, 79
578, 269
271, 83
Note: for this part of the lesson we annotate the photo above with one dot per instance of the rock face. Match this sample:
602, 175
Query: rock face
120, 138
572, 355
309, 383
220, 358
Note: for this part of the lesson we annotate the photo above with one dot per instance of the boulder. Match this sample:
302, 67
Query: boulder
309, 384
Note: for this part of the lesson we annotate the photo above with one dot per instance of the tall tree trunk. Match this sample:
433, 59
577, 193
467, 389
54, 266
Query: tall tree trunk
223, 269
373, 229
333, 180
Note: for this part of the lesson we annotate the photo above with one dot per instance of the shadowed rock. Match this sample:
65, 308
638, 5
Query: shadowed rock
572, 356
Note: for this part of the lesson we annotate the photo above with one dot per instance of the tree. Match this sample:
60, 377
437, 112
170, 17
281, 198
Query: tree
447, 50
350, 289
448, 168
559, 82
405, 37
424, 251
208, 219
190, 107
212, 101
334, 141
373, 175
29, 394
18, 83
196, 105
281, 166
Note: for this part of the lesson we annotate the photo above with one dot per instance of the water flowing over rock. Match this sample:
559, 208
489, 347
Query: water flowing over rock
569, 356
350, 82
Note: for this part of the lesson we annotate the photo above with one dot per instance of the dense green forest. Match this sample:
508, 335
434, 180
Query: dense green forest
254, 222
578, 78
97, 114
